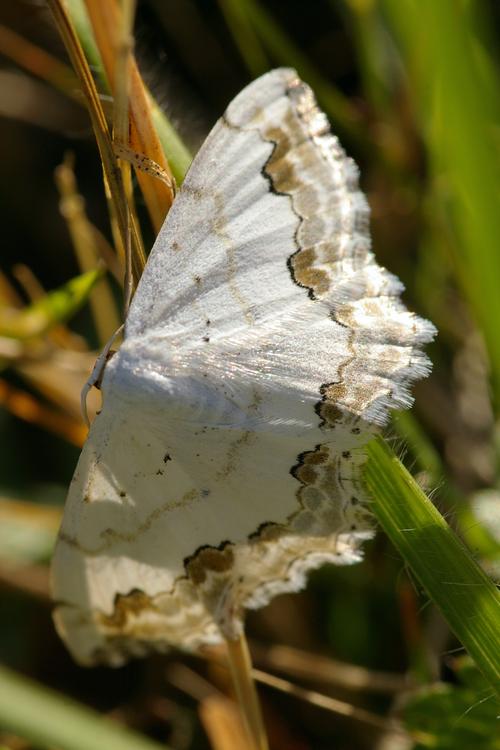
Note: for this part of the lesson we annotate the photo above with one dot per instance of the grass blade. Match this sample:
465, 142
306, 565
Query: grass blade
179, 157
467, 598
244, 36
55, 307
284, 51
48, 719
119, 209
456, 86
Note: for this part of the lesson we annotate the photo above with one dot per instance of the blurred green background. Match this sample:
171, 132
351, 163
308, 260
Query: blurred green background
411, 88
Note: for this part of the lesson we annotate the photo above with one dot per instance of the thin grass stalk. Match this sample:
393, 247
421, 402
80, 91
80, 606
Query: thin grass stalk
72, 208
38, 62
111, 171
121, 125
241, 671
179, 157
106, 19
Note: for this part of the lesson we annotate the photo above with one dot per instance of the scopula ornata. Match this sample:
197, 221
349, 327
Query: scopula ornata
263, 347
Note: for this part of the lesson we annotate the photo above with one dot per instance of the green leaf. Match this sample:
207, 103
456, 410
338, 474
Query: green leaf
467, 598
48, 719
458, 717
55, 307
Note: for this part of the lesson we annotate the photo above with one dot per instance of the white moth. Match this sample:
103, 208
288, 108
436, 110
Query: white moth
263, 346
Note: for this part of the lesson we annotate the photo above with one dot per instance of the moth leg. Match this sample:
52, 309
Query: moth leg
95, 377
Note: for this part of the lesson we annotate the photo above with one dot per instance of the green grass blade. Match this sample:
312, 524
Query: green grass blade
54, 308
78, 13
48, 719
179, 157
372, 51
474, 533
285, 52
244, 36
467, 598
456, 92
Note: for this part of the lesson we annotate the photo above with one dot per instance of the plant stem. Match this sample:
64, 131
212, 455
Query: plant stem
240, 665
